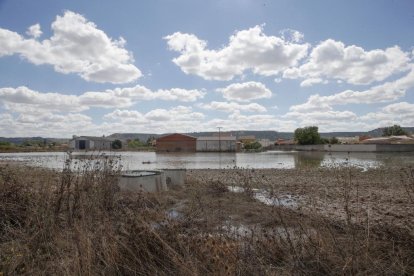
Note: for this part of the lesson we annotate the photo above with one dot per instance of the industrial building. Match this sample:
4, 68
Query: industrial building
90, 143
214, 143
176, 142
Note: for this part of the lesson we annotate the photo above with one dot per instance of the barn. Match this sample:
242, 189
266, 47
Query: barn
176, 142
226, 143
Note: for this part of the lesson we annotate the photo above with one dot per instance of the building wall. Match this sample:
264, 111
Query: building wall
101, 145
395, 148
176, 143
90, 144
350, 148
215, 145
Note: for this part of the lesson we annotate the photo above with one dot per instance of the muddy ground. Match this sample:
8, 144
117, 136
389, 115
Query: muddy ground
377, 197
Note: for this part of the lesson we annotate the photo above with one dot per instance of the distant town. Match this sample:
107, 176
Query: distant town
307, 138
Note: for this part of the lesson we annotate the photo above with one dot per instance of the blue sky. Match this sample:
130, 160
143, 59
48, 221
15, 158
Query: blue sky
99, 67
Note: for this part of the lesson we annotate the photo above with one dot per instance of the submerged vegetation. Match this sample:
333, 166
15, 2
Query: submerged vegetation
77, 222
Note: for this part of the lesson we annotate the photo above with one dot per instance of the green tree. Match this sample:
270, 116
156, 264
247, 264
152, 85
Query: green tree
333, 140
253, 146
307, 135
394, 130
117, 144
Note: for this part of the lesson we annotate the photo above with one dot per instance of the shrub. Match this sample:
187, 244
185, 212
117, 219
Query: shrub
307, 135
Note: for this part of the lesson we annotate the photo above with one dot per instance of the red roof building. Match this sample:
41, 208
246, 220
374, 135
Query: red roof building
176, 142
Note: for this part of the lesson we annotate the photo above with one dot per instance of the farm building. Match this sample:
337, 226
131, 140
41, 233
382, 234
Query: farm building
176, 142
265, 142
215, 143
90, 143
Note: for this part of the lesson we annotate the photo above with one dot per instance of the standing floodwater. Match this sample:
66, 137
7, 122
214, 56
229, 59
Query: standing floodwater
199, 160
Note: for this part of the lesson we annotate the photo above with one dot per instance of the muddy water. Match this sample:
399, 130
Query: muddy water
270, 159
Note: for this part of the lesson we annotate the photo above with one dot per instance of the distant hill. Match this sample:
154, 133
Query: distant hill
259, 134
132, 136
21, 140
378, 132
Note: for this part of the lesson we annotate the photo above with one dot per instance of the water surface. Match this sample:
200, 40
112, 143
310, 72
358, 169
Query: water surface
200, 160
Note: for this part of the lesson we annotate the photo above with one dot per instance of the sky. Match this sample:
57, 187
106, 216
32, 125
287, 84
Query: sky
158, 66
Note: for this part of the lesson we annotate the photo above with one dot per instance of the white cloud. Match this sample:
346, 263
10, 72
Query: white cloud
232, 106
386, 92
34, 31
158, 115
311, 81
292, 35
76, 46
175, 114
332, 59
46, 125
401, 113
246, 91
317, 117
238, 121
247, 49
23, 99
174, 94
176, 119
124, 114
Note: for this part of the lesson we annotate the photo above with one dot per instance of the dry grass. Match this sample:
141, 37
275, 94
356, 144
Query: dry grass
78, 223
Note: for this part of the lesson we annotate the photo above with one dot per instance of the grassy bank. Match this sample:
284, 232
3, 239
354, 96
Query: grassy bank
342, 221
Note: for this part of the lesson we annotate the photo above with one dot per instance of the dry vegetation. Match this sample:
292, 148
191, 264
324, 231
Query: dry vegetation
345, 222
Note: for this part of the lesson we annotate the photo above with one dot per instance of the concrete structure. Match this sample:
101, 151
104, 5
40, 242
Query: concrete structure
175, 143
151, 181
175, 177
142, 181
90, 143
214, 143
350, 148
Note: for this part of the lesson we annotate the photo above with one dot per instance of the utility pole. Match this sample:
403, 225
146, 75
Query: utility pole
219, 128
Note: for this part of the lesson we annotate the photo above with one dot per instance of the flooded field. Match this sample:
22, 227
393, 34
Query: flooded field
270, 159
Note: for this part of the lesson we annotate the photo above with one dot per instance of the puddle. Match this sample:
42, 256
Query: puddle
236, 230
173, 214
264, 197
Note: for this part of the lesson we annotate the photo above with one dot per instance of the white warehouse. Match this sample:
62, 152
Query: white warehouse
90, 143
216, 143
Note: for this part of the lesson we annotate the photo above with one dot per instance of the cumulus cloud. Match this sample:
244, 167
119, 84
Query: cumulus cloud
318, 117
401, 113
23, 99
292, 35
245, 92
46, 124
65, 124
247, 49
332, 59
76, 46
386, 92
237, 120
232, 106
176, 119
34, 31
312, 81
139, 92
